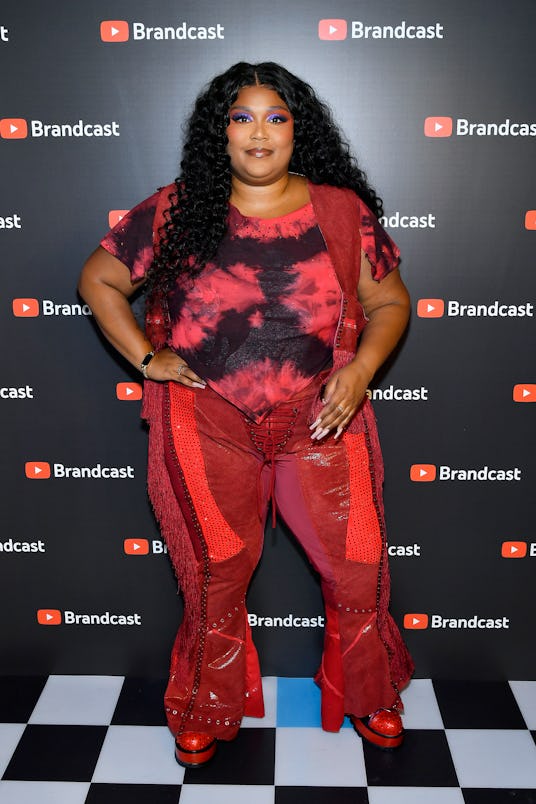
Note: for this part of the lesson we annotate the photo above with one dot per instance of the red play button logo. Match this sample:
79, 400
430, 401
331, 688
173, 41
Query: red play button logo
37, 470
25, 308
430, 308
514, 549
422, 472
13, 128
332, 30
115, 216
114, 31
530, 219
136, 547
438, 126
415, 622
524, 392
128, 391
49, 617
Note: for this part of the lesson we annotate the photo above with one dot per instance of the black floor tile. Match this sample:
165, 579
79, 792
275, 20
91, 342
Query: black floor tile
247, 760
133, 794
56, 753
321, 795
506, 796
423, 760
18, 697
478, 705
141, 703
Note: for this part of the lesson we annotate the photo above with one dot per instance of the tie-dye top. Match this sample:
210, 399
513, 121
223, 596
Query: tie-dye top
259, 322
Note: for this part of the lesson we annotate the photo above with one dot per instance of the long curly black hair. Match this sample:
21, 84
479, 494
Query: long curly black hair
196, 219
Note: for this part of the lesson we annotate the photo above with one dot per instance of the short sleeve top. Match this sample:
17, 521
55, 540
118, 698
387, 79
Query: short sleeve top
259, 322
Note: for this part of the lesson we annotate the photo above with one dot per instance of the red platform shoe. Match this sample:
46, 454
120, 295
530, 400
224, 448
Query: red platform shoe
193, 749
383, 728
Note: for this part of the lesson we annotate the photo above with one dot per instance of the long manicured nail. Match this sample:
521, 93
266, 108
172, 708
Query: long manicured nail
320, 433
315, 424
339, 431
198, 385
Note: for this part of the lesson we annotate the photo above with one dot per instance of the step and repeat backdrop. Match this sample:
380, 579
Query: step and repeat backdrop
436, 100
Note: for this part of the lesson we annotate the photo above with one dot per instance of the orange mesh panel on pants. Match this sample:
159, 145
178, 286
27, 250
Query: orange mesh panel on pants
221, 540
363, 537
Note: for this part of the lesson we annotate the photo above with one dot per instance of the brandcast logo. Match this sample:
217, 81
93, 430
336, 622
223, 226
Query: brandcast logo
114, 31
426, 472
418, 622
438, 126
514, 549
332, 30
128, 391
436, 308
29, 308
56, 617
524, 392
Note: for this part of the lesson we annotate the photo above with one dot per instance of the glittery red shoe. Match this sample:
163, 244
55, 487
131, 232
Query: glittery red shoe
193, 749
383, 728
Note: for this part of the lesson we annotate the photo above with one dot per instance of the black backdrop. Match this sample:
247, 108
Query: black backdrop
461, 207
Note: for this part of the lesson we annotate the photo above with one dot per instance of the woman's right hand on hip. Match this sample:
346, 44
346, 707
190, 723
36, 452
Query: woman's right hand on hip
166, 366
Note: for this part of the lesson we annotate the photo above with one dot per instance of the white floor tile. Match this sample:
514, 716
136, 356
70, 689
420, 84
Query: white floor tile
493, 758
10, 734
227, 794
525, 695
43, 792
420, 706
269, 691
78, 700
415, 795
138, 755
312, 757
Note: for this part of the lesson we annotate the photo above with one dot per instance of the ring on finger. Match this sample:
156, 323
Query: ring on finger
340, 408
181, 368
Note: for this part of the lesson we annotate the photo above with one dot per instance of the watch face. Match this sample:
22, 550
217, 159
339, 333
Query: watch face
147, 359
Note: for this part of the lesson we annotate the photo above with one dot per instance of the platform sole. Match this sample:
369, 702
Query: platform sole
195, 759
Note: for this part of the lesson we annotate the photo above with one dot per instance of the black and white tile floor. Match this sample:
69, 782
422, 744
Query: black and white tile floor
103, 740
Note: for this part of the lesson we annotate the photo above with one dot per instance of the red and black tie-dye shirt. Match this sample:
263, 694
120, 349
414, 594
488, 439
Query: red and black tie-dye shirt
259, 322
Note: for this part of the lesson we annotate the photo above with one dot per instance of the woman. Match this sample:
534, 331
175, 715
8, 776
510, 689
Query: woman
273, 296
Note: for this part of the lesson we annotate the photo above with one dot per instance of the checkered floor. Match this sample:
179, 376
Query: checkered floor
102, 740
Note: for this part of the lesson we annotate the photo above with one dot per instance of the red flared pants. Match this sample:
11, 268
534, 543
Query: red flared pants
222, 470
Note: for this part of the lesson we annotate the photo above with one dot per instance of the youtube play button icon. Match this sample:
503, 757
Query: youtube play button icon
128, 391
13, 128
136, 547
438, 126
25, 308
49, 617
524, 392
37, 470
430, 308
422, 472
514, 549
332, 30
415, 622
114, 31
